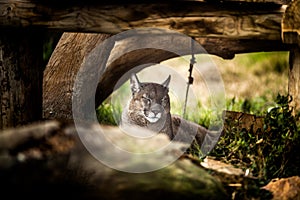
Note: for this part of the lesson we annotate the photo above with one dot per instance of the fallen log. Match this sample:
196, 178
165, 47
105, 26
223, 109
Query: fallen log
48, 160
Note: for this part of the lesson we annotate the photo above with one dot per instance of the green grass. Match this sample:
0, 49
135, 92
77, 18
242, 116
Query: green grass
106, 115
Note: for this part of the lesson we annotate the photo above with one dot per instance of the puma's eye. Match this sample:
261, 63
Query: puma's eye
164, 100
146, 99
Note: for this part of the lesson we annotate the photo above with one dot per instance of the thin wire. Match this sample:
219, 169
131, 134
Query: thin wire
185, 102
190, 78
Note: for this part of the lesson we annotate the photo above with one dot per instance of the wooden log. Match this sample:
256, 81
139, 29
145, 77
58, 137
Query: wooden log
61, 72
21, 69
57, 164
291, 35
279, 2
227, 48
294, 78
260, 21
291, 23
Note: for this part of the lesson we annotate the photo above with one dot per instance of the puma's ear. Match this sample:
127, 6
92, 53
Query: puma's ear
134, 83
166, 82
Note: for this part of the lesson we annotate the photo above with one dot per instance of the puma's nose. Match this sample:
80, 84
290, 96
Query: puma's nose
156, 109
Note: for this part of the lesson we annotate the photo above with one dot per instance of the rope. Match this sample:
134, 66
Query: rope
190, 78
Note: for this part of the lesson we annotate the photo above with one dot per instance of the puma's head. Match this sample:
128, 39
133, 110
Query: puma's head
150, 101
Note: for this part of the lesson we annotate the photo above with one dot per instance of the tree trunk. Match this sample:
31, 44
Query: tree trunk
290, 31
21, 67
294, 78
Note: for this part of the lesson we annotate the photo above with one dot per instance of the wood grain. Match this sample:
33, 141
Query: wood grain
21, 68
291, 24
61, 71
294, 78
194, 18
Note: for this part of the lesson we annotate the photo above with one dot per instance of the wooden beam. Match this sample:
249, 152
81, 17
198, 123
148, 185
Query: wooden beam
227, 48
257, 21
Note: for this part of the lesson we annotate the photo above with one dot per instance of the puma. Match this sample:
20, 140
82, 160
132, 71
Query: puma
149, 107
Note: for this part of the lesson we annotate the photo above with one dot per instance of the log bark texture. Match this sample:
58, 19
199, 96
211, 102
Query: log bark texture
294, 78
65, 64
291, 35
61, 71
21, 73
291, 24
260, 20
